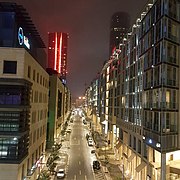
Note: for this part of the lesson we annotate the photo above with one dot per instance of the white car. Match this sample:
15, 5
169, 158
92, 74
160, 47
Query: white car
90, 138
60, 174
90, 142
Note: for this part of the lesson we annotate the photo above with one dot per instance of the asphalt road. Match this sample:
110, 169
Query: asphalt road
80, 157
75, 154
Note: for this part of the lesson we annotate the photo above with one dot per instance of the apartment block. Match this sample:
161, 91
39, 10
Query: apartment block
59, 107
23, 113
24, 85
139, 95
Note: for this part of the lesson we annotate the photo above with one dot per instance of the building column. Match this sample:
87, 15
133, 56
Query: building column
163, 166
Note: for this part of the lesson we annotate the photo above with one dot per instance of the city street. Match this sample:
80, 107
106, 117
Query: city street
80, 158
90, 90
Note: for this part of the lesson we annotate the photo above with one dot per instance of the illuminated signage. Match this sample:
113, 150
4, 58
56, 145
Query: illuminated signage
26, 42
23, 40
20, 36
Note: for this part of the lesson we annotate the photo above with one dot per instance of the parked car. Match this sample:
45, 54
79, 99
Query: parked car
84, 121
93, 151
69, 131
60, 173
90, 142
96, 165
90, 138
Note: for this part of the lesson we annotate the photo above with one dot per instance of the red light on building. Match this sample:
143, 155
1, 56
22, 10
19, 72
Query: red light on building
57, 53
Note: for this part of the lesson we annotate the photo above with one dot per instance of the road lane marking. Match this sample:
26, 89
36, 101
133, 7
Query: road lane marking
79, 162
85, 177
79, 172
74, 177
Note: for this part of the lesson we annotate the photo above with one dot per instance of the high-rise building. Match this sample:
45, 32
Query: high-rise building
139, 94
57, 53
120, 23
23, 95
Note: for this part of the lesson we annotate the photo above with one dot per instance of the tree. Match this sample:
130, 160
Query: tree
44, 175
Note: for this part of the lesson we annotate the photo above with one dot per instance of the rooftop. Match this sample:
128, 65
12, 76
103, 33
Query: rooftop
24, 18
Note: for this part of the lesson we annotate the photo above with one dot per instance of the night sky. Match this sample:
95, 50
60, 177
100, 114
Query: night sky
88, 24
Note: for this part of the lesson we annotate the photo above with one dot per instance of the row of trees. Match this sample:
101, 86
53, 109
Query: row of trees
45, 174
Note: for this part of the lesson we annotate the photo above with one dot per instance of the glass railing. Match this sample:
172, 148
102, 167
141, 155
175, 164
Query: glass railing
164, 130
161, 105
168, 105
173, 38
162, 139
148, 85
171, 82
171, 59
166, 82
170, 128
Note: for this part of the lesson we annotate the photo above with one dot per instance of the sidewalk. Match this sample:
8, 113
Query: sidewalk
61, 161
110, 166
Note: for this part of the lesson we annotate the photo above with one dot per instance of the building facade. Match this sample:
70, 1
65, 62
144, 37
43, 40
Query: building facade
144, 104
57, 53
119, 26
59, 107
23, 96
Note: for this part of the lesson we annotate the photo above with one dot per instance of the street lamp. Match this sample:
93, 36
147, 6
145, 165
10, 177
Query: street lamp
105, 158
122, 165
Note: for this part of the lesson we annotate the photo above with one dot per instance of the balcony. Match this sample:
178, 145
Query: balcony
161, 105
167, 141
171, 129
169, 82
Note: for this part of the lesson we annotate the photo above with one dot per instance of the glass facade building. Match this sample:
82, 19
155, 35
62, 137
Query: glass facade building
14, 125
17, 30
23, 95
139, 94
119, 26
57, 53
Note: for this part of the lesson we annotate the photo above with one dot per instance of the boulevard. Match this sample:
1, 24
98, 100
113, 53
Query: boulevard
79, 159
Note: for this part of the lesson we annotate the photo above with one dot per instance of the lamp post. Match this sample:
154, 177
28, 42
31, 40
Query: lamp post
122, 168
105, 157
123, 172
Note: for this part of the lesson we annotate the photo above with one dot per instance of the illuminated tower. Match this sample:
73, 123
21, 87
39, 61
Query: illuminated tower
120, 23
57, 53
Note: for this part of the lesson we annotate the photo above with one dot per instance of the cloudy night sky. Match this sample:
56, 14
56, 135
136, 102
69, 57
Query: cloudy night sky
88, 24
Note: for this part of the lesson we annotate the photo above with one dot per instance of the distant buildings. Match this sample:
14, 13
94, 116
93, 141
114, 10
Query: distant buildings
139, 96
59, 107
59, 94
57, 53
79, 102
119, 26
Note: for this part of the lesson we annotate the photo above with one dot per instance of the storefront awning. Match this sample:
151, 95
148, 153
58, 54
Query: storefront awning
140, 167
131, 157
